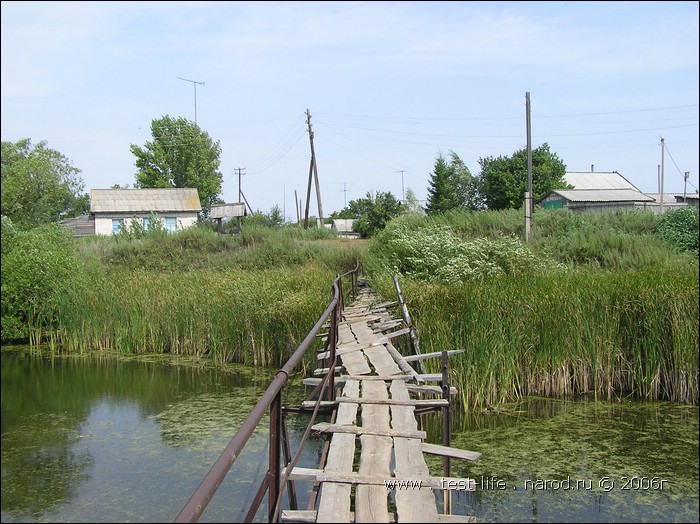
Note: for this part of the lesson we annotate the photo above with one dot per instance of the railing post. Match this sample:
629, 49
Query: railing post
332, 342
409, 323
274, 464
446, 427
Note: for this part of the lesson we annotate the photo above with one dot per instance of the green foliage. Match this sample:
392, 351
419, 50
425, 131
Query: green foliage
38, 266
39, 185
503, 180
680, 227
438, 254
452, 186
180, 155
371, 213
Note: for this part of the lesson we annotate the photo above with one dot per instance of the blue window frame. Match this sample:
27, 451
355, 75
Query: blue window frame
117, 225
146, 223
171, 224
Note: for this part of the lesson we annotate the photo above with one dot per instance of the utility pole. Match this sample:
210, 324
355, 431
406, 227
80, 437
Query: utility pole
403, 193
194, 83
296, 206
313, 169
240, 193
662, 176
345, 193
528, 195
685, 183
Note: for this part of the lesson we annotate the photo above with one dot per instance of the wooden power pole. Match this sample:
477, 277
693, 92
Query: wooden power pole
313, 170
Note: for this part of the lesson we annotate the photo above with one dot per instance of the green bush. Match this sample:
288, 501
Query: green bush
680, 227
38, 265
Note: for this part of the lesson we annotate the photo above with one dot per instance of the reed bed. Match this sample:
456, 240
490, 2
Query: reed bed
583, 332
252, 317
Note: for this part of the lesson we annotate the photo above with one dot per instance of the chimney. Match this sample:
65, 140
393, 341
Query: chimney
592, 168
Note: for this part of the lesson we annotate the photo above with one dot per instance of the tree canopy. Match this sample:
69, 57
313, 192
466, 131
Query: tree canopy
180, 155
372, 212
452, 186
39, 185
503, 180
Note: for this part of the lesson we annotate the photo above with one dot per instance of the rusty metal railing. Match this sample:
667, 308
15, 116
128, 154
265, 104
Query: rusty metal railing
272, 400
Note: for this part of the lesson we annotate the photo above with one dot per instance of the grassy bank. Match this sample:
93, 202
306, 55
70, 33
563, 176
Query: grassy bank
248, 298
596, 305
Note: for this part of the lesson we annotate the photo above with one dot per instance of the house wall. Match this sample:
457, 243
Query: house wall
103, 223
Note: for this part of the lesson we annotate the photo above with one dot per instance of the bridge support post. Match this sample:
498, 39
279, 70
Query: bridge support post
446, 428
274, 464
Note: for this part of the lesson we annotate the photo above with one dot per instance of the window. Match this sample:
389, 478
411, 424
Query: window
117, 225
146, 223
171, 224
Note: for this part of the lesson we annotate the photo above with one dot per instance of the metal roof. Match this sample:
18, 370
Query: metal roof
598, 180
600, 195
144, 200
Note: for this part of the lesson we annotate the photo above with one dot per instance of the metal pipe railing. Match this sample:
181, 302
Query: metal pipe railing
271, 399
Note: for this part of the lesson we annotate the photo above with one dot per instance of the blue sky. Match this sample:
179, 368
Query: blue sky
389, 86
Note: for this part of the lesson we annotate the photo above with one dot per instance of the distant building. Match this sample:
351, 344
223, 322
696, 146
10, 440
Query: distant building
603, 191
344, 227
113, 209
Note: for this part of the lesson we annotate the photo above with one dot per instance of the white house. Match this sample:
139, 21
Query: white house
114, 209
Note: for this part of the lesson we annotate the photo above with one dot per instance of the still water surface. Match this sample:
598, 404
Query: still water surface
103, 440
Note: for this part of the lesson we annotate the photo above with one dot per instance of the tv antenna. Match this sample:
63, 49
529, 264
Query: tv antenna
194, 83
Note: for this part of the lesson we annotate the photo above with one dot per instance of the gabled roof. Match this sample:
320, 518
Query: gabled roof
598, 180
603, 195
144, 200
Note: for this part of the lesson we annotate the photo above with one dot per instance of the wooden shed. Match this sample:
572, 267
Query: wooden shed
597, 191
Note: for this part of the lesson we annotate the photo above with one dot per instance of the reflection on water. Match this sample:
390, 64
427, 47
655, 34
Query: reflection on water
103, 439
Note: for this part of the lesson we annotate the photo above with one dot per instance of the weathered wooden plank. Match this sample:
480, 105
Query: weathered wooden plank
350, 348
388, 482
397, 333
311, 404
326, 427
401, 362
429, 389
382, 361
309, 515
445, 451
371, 500
417, 505
391, 401
299, 515
436, 354
375, 377
334, 504
355, 364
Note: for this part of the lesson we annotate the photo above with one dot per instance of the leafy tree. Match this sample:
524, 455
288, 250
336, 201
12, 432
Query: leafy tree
372, 212
412, 205
503, 180
39, 185
180, 155
452, 186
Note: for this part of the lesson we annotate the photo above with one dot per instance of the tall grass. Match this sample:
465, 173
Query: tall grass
610, 335
249, 299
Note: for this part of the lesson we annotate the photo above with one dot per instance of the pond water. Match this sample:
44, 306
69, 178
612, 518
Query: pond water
90, 439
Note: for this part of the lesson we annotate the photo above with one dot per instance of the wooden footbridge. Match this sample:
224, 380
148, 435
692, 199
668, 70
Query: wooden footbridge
372, 396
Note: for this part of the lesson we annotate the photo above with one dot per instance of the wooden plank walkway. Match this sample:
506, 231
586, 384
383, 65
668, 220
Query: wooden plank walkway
375, 408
